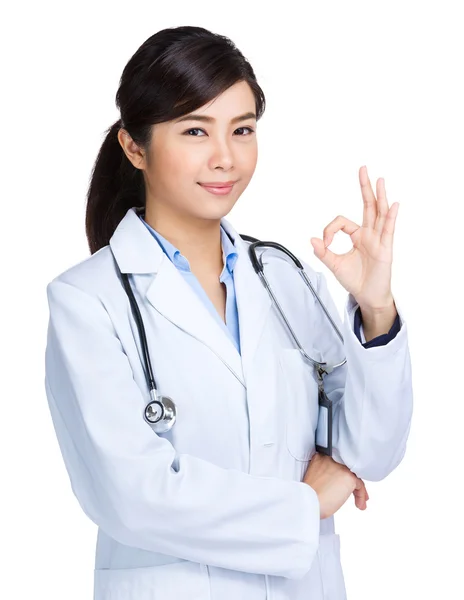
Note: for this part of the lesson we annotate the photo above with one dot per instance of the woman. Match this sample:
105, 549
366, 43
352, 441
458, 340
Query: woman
232, 501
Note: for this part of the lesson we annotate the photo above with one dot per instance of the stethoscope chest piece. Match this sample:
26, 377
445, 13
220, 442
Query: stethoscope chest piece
160, 414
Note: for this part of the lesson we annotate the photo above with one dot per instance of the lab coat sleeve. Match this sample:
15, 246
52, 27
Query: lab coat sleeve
132, 483
371, 393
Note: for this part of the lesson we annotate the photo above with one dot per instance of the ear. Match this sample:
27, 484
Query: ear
133, 152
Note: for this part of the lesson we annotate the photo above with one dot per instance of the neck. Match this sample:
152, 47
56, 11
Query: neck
199, 240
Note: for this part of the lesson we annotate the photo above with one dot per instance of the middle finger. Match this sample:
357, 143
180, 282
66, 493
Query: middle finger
370, 202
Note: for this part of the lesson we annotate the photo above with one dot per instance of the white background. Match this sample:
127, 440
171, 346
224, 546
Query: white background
347, 84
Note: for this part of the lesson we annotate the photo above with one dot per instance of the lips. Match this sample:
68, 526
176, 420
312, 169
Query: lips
220, 189
214, 184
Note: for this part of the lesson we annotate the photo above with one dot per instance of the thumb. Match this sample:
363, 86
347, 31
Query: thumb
318, 246
325, 255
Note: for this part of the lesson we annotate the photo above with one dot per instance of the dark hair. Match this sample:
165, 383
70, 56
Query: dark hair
174, 72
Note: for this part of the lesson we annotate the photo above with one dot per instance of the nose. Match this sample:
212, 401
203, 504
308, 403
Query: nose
221, 154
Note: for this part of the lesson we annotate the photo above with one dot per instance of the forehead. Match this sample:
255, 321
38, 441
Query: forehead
234, 105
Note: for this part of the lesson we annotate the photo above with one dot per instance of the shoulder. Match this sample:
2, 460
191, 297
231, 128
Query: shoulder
93, 274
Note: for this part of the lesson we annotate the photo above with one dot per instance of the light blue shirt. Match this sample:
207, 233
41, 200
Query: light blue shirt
229, 255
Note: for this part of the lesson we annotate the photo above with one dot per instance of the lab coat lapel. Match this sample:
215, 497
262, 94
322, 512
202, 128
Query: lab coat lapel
137, 252
253, 300
174, 298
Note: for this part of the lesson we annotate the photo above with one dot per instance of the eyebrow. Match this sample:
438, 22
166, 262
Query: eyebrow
205, 119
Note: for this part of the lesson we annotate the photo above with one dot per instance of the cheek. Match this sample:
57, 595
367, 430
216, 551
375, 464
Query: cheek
177, 164
249, 159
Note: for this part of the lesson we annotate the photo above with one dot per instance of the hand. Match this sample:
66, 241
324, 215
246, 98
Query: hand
360, 494
333, 484
364, 271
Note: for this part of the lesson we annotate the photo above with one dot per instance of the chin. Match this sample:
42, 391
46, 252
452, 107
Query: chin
215, 214
215, 209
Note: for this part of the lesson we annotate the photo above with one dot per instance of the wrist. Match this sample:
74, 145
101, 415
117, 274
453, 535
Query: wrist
377, 321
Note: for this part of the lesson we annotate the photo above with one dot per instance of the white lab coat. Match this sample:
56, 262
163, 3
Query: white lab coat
219, 498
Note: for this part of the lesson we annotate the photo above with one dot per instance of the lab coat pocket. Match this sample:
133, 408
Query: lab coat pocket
300, 401
333, 582
184, 580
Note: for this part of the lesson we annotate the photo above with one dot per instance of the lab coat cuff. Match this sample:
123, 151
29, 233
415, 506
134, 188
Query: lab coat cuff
361, 328
311, 514
373, 352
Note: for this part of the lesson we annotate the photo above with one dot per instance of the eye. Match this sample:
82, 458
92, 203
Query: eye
249, 129
194, 129
199, 129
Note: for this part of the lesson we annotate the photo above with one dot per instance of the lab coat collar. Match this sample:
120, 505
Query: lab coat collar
136, 251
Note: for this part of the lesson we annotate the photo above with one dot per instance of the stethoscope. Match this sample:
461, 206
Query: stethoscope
161, 413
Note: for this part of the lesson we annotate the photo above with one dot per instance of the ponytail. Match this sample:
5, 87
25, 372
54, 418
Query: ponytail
115, 186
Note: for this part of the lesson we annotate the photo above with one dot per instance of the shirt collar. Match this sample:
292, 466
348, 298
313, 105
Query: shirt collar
229, 252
